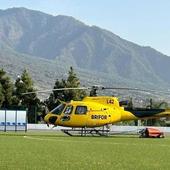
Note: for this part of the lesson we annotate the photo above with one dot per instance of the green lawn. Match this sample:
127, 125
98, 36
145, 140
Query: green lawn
30, 151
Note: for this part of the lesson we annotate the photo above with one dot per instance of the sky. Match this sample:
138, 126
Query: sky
145, 22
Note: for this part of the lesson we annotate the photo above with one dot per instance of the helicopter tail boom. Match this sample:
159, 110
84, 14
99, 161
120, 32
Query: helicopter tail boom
143, 113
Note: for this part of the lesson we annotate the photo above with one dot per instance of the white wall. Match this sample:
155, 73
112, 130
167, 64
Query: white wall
119, 129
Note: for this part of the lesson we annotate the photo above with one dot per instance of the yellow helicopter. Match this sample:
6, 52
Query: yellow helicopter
97, 111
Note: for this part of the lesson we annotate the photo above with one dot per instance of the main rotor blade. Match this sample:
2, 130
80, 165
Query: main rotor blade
59, 89
127, 88
136, 89
100, 88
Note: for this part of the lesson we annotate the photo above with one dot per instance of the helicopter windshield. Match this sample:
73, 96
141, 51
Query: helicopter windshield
59, 109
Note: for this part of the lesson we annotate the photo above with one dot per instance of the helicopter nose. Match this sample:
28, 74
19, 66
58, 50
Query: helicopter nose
52, 119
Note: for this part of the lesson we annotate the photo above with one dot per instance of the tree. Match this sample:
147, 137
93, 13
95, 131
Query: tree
73, 81
56, 96
24, 84
1, 96
6, 89
66, 95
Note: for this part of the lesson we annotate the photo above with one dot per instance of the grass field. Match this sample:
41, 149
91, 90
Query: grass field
40, 151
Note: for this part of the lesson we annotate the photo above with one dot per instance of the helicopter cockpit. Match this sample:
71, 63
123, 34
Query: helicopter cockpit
67, 109
64, 111
59, 109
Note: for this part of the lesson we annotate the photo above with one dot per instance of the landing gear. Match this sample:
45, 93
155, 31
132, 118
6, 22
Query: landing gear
102, 131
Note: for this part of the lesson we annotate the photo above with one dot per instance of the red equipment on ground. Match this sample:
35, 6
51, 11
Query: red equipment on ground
151, 133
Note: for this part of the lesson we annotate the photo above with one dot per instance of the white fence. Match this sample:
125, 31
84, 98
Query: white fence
13, 120
114, 128
43, 127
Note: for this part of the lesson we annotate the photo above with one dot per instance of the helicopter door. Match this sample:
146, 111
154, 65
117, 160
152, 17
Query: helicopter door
80, 116
67, 112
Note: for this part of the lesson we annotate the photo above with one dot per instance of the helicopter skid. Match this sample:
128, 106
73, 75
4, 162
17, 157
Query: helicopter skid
87, 131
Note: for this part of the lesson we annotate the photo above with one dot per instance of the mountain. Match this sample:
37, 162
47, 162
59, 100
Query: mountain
48, 45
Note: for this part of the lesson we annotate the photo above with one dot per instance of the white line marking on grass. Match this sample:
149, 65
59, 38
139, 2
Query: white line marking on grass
44, 139
49, 139
96, 142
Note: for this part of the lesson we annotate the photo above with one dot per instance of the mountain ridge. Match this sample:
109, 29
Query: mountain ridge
69, 42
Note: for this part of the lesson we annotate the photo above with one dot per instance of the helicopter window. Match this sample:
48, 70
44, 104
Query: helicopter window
68, 110
80, 110
59, 109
